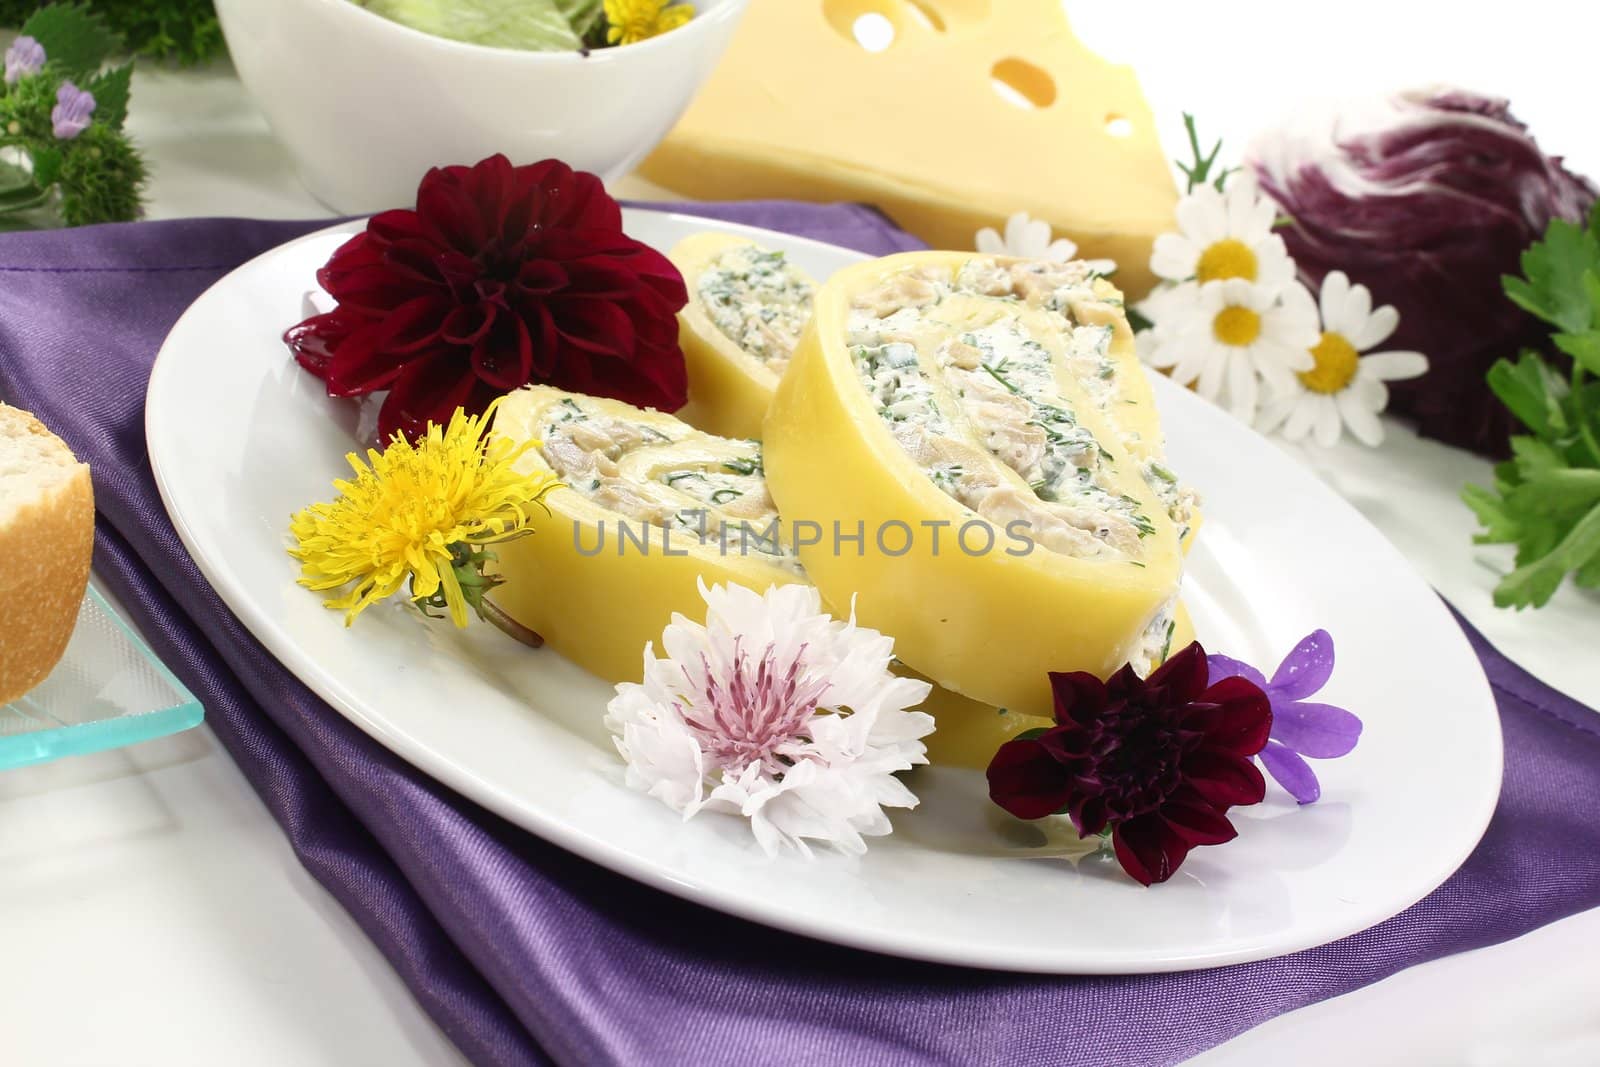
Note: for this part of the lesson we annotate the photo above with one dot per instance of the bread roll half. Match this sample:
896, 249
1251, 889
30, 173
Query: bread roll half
46, 540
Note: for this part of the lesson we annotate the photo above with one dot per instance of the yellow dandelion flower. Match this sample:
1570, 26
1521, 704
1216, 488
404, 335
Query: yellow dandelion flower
628, 21
419, 514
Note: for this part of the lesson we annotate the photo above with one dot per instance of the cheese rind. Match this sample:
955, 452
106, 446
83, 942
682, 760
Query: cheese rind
599, 608
989, 625
730, 388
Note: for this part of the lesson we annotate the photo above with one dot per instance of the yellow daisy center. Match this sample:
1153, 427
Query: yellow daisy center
1236, 326
1224, 259
1336, 365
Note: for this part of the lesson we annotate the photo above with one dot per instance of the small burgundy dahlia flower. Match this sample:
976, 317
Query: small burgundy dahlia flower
1158, 761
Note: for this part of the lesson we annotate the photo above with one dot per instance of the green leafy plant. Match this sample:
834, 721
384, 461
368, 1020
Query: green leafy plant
181, 31
1546, 498
63, 155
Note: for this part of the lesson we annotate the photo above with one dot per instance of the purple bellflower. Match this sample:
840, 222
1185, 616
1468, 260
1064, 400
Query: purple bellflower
24, 57
73, 110
1300, 727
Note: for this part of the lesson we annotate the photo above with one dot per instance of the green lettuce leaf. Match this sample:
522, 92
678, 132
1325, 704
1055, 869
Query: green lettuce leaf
582, 15
530, 25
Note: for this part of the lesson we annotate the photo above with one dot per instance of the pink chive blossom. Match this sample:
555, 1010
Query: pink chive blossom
776, 712
24, 57
73, 110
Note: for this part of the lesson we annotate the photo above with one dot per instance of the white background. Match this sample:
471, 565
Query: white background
154, 913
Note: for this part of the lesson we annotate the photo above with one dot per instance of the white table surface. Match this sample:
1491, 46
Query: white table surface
154, 913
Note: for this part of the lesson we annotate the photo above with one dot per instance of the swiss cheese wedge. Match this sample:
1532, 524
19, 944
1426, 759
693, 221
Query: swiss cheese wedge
650, 507
747, 306
987, 430
975, 110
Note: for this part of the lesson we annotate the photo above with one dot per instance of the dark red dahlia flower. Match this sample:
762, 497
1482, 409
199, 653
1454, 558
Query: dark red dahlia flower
501, 276
1158, 760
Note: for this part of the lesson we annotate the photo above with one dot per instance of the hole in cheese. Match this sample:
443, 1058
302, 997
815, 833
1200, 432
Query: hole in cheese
1117, 126
873, 31
872, 25
1021, 83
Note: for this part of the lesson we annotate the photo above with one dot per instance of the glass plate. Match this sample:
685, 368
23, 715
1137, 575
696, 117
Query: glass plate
109, 690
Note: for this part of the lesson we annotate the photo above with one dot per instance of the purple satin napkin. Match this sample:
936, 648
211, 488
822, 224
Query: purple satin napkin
525, 954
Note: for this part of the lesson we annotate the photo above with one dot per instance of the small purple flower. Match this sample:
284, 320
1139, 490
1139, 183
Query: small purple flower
1299, 727
24, 57
70, 116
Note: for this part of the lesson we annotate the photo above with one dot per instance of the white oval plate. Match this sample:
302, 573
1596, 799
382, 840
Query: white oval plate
240, 437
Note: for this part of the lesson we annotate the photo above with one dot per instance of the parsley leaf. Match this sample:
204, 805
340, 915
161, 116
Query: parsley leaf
1554, 288
1583, 347
1546, 498
1530, 389
1533, 584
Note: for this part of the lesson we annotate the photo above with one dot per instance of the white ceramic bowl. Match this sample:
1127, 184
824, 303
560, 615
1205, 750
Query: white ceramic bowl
365, 105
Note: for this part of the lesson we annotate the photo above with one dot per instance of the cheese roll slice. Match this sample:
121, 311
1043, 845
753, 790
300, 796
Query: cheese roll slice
747, 307
998, 403
648, 506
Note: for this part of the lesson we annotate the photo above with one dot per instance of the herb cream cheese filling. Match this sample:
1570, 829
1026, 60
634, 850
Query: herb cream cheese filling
748, 307
758, 300
665, 474
973, 392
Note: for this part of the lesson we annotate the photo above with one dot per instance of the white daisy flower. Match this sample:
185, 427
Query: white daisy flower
1164, 308
1232, 336
1029, 238
1223, 236
775, 711
1343, 387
